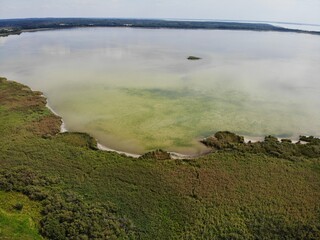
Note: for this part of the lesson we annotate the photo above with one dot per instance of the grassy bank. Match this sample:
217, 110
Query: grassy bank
19, 217
238, 192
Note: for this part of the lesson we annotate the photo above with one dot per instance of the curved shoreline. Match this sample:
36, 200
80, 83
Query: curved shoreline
63, 125
173, 155
18, 26
63, 129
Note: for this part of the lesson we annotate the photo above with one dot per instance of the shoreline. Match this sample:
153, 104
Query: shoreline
18, 26
173, 155
63, 129
284, 30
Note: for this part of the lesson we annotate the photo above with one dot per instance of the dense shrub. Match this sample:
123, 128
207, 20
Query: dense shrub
65, 214
270, 146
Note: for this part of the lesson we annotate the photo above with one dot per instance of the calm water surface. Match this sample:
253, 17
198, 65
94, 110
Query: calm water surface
134, 90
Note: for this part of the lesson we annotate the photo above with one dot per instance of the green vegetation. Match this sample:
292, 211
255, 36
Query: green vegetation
61, 23
4, 32
64, 213
19, 216
270, 146
242, 191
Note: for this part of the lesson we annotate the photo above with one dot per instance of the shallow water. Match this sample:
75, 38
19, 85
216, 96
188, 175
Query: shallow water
134, 90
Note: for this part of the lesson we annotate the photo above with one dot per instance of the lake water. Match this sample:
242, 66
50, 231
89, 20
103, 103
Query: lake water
134, 90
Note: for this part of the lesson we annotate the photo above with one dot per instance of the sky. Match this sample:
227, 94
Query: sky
298, 11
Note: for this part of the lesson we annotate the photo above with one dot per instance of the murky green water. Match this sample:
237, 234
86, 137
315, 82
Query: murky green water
134, 90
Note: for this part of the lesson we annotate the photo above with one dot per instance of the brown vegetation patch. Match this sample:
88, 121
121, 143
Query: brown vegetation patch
47, 126
16, 96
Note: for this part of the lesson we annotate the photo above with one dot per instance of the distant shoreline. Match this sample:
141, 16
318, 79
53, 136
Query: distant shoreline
18, 26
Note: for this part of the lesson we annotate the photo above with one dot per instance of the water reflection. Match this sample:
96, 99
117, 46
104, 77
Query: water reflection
134, 89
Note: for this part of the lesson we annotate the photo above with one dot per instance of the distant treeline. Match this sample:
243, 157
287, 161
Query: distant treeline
57, 23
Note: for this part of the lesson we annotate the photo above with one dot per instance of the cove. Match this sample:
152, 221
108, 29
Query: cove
134, 89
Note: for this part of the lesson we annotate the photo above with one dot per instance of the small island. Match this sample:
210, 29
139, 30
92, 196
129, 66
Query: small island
193, 58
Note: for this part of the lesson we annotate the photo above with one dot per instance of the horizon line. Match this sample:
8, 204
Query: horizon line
173, 19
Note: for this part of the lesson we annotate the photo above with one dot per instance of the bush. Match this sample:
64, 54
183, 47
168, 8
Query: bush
65, 214
18, 206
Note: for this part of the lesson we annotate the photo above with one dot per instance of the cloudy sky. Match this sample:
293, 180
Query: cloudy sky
302, 11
